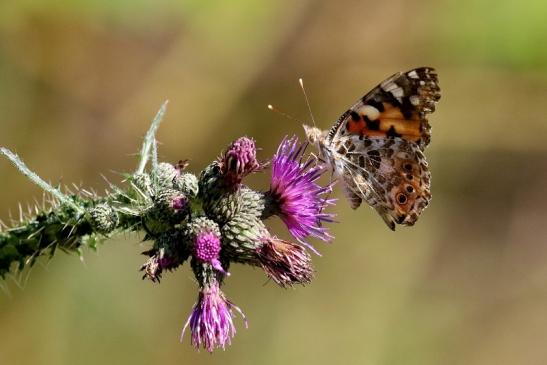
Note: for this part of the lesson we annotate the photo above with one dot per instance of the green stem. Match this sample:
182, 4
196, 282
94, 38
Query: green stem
62, 227
42, 235
20, 165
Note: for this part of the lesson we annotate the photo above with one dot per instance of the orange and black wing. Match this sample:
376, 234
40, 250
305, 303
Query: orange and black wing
398, 107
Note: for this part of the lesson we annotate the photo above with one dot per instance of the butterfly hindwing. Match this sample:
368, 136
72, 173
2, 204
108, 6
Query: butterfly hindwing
390, 174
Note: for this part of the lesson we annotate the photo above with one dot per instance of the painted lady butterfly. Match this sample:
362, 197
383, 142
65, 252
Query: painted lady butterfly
376, 147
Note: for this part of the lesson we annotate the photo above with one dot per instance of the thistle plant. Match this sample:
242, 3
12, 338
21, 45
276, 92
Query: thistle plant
211, 220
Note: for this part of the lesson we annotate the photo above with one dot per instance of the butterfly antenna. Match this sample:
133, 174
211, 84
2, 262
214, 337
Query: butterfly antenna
301, 82
288, 116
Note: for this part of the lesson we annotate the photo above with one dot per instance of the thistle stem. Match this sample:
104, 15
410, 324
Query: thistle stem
42, 234
60, 227
20, 165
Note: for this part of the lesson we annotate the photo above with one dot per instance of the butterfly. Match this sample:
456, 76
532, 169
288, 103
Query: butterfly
376, 148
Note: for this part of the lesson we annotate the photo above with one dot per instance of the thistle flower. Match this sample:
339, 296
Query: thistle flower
207, 249
206, 242
239, 160
211, 321
285, 262
294, 194
213, 218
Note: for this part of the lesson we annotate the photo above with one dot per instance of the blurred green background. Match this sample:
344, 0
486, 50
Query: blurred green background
80, 81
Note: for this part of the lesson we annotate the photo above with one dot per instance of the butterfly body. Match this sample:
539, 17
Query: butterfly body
376, 147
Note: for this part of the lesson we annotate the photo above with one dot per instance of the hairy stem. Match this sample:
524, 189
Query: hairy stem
20, 165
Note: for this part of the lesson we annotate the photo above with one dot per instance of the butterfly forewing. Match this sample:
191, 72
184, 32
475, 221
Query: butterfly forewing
398, 107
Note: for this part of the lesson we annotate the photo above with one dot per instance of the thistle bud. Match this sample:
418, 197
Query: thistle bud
104, 218
239, 160
143, 182
242, 236
171, 202
187, 183
169, 207
164, 174
242, 201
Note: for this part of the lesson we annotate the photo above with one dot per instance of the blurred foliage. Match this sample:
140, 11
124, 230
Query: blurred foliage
79, 81
500, 34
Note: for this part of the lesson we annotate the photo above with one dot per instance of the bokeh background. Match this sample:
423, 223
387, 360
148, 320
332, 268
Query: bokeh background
80, 81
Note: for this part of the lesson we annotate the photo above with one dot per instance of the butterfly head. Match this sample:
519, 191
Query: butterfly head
314, 135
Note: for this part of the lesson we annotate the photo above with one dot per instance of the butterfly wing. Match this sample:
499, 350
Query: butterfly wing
377, 146
398, 107
390, 174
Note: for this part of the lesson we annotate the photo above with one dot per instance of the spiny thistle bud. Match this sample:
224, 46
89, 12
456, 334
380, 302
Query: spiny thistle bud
171, 201
187, 183
212, 186
169, 207
242, 236
143, 182
242, 201
285, 262
239, 160
164, 174
104, 218
251, 203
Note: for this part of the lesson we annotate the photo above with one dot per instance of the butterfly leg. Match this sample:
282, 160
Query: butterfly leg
312, 154
331, 182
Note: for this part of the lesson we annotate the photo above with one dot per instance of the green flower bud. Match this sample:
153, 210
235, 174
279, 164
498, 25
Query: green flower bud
144, 183
242, 201
104, 218
187, 183
241, 237
164, 174
169, 207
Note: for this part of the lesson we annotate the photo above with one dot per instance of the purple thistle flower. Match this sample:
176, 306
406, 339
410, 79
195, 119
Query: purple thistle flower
285, 262
294, 194
211, 321
239, 160
207, 249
